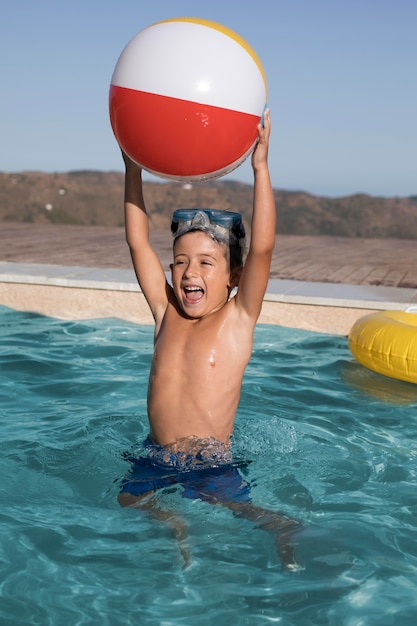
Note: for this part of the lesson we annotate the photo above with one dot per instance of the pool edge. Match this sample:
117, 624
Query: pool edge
87, 293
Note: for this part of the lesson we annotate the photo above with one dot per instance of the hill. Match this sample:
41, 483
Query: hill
96, 198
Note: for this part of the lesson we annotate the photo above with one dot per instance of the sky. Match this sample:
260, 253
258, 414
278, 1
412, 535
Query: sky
341, 74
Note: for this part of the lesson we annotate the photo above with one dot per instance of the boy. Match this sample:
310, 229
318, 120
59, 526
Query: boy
203, 342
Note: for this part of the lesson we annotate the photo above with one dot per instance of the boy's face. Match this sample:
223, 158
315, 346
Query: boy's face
200, 274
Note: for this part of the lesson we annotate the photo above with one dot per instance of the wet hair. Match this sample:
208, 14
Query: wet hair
224, 227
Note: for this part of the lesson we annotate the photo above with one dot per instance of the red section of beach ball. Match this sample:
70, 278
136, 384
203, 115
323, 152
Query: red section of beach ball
186, 98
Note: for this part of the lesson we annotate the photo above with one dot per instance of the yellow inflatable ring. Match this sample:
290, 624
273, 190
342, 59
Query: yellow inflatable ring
386, 342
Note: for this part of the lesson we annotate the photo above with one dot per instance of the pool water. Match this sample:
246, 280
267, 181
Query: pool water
331, 445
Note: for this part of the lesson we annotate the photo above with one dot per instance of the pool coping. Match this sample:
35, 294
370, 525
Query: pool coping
28, 283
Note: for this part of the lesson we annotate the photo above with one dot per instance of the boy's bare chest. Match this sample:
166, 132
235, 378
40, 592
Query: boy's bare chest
197, 342
202, 344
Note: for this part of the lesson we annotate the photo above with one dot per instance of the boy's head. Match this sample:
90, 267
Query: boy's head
224, 227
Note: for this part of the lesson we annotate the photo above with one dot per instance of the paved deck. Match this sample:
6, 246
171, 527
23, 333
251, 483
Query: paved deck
383, 262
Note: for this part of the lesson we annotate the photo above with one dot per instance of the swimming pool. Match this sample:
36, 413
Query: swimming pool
330, 444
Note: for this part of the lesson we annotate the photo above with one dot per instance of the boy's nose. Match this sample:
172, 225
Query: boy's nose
190, 270
190, 273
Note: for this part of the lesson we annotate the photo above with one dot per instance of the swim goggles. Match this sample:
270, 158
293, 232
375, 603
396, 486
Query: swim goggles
223, 226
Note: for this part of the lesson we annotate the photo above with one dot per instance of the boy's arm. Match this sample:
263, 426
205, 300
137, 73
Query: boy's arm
147, 266
255, 274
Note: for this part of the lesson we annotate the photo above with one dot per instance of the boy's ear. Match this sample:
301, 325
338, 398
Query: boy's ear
235, 275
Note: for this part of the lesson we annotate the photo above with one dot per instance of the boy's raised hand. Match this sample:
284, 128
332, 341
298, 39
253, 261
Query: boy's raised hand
260, 153
129, 163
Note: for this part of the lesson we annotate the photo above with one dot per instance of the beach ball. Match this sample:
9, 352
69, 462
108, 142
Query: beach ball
186, 98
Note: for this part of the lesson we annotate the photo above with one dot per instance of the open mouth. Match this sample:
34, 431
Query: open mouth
193, 294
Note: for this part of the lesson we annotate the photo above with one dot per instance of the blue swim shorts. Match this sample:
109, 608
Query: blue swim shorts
214, 484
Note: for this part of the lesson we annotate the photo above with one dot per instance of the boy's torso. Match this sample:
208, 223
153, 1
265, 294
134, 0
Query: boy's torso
196, 375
